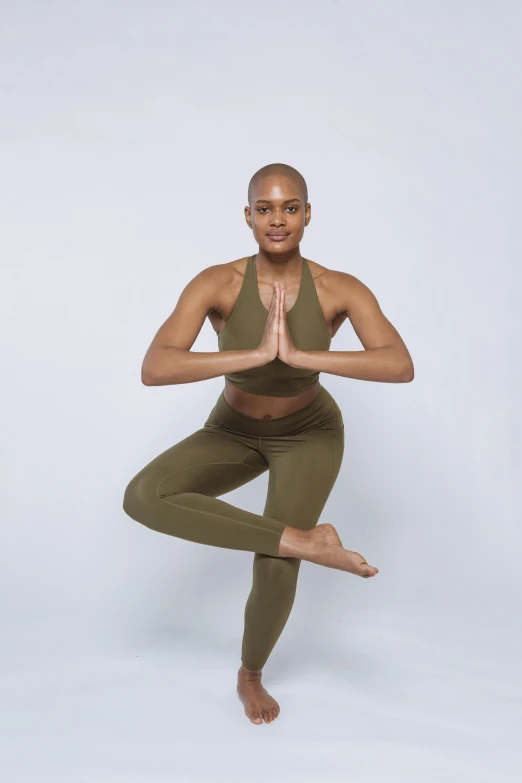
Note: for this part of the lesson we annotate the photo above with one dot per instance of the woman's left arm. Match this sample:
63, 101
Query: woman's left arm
385, 357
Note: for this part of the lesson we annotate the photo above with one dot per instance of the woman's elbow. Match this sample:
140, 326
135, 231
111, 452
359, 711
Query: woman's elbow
150, 374
147, 378
153, 377
407, 373
161, 368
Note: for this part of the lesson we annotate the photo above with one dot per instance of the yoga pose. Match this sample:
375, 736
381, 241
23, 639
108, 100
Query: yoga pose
275, 314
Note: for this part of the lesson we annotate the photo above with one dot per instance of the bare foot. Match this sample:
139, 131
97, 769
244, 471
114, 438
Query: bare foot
323, 546
259, 705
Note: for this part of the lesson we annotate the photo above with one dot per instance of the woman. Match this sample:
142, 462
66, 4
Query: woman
275, 314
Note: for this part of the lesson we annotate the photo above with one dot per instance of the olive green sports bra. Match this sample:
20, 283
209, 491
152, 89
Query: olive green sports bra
244, 330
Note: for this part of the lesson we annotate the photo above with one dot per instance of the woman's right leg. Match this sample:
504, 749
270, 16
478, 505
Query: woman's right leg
177, 492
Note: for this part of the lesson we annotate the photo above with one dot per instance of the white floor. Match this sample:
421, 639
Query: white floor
435, 700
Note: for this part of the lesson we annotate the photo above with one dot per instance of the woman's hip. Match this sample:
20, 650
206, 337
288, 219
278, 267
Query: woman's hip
321, 413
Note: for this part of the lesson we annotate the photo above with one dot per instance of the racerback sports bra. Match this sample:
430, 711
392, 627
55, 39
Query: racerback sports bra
244, 330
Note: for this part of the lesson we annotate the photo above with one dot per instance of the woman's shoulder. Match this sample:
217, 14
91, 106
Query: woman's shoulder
220, 284
225, 273
328, 278
343, 291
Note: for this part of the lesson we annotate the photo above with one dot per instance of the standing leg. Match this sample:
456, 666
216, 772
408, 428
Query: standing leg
303, 470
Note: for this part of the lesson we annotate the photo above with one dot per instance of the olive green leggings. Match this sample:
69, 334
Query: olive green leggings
177, 493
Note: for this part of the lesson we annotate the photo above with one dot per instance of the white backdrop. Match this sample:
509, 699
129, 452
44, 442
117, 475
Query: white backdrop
129, 132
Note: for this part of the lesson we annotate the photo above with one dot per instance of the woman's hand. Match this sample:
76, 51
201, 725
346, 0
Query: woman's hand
287, 351
269, 344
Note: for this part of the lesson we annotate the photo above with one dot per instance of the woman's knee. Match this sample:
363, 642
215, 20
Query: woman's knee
276, 573
140, 493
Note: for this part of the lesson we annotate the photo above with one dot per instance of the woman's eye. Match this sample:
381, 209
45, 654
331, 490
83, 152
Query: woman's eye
261, 209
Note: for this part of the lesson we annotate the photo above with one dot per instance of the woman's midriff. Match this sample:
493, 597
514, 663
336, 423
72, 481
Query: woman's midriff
260, 406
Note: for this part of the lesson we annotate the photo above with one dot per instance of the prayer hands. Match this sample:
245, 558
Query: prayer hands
287, 351
277, 340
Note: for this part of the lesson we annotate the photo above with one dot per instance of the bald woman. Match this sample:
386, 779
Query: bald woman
274, 313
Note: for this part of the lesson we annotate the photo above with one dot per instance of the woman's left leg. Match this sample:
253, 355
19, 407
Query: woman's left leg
303, 469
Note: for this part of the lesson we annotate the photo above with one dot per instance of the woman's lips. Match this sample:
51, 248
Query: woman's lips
277, 237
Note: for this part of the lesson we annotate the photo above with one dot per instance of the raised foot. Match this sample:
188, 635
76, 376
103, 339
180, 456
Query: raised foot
325, 548
259, 705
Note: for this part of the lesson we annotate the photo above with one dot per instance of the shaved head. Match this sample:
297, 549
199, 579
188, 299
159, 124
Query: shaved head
275, 169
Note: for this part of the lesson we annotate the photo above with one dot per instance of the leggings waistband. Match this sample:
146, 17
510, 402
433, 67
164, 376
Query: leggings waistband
323, 411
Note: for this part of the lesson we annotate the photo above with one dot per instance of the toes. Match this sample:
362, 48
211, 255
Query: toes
273, 713
255, 716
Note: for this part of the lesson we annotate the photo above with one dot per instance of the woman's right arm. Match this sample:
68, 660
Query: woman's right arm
169, 359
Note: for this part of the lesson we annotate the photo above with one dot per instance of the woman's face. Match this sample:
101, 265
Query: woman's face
278, 214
